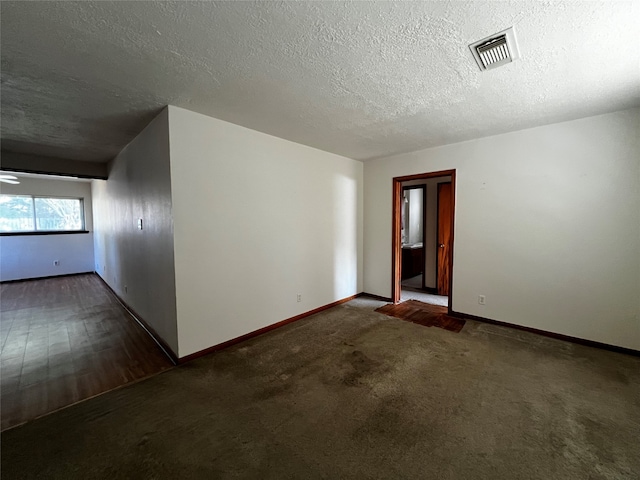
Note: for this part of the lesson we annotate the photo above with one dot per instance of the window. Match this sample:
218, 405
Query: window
28, 213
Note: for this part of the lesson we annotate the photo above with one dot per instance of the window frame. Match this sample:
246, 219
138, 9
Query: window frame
35, 231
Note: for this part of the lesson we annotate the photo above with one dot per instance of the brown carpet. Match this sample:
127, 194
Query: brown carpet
423, 314
353, 394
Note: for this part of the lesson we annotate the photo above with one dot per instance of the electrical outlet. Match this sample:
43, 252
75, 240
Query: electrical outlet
299, 298
482, 300
126, 289
56, 263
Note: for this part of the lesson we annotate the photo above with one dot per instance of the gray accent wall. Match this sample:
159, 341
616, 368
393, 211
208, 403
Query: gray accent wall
138, 264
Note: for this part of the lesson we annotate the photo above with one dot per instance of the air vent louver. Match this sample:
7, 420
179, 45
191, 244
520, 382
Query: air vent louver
496, 50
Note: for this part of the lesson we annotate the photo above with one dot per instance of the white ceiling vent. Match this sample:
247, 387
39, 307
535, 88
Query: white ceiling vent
496, 50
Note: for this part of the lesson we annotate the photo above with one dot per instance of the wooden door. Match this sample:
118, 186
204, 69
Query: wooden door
444, 237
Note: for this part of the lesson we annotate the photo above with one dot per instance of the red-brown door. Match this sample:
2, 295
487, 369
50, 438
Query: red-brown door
444, 237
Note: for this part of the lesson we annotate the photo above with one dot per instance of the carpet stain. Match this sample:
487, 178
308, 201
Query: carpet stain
272, 390
397, 420
350, 393
359, 367
143, 441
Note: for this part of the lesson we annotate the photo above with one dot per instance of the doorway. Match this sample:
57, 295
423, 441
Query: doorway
413, 235
422, 255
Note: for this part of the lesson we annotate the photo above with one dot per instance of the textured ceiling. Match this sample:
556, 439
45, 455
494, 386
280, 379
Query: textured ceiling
362, 79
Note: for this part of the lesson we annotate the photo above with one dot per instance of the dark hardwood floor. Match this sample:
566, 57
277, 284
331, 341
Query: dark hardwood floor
66, 339
424, 314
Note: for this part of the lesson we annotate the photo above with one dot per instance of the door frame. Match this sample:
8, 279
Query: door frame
422, 186
438, 232
396, 229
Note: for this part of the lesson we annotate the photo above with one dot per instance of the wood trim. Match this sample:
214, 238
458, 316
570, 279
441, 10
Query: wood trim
453, 230
148, 328
437, 253
44, 278
262, 330
545, 333
424, 236
421, 176
396, 242
395, 230
180, 360
375, 297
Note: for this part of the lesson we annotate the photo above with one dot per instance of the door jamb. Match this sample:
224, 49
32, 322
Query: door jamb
438, 231
423, 187
396, 228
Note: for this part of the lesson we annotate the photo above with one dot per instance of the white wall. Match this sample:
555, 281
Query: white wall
547, 226
258, 220
139, 264
32, 256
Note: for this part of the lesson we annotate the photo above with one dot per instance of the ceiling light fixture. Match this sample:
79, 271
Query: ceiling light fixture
13, 180
496, 50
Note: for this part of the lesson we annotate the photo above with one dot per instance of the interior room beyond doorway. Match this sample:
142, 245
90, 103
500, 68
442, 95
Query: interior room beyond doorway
420, 245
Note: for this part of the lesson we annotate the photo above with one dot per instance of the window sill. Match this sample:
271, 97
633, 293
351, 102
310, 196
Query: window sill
57, 232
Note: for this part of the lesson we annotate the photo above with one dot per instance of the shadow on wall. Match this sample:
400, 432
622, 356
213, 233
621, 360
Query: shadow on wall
345, 235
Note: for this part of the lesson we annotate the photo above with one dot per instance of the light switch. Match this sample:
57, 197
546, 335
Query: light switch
139, 224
